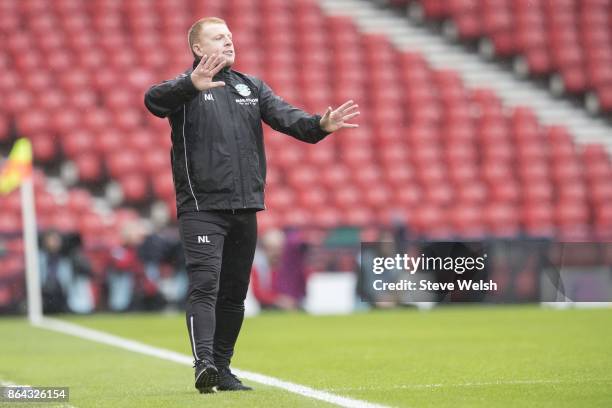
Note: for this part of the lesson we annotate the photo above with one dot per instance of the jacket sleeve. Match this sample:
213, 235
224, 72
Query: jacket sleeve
167, 97
286, 118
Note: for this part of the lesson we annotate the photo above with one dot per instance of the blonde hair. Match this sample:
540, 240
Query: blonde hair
194, 31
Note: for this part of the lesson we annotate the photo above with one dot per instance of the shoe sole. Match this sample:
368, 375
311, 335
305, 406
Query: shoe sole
234, 389
207, 382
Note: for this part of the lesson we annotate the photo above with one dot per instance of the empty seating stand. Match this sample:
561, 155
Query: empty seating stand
568, 41
449, 160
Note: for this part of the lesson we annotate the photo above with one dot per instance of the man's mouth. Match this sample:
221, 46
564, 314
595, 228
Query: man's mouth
229, 52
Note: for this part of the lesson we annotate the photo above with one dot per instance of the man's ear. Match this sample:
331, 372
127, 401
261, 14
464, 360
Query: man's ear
197, 50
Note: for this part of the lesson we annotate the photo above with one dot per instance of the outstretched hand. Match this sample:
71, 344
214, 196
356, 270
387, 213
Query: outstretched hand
333, 120
207, 68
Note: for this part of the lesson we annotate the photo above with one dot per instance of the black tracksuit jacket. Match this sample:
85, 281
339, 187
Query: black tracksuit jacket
218, 157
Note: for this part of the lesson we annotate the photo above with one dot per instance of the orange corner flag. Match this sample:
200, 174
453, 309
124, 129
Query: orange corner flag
17, 167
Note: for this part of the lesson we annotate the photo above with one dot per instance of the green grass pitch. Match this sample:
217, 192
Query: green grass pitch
512, 356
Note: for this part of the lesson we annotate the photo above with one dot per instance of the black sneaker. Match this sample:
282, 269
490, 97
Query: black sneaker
229, 382
206, 377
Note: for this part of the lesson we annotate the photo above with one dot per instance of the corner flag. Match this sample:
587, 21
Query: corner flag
17, 172
18, 166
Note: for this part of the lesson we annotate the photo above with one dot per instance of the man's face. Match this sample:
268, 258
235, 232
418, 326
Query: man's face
215, 38
53, 242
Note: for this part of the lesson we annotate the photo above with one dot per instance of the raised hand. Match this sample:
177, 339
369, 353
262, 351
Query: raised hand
207, 68
333, 120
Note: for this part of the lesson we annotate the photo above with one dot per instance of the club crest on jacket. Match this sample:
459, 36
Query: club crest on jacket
243, 89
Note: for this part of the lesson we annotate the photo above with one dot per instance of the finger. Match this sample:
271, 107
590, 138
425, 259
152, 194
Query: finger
342, 112
352, 115
347, 110
350, 125
218, 67
200, 67
344, 106
327, 112
220, 59
210, 61
202, 61
217, 84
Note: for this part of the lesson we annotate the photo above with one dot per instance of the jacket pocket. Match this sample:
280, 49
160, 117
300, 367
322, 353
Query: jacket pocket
257, 181
214, 169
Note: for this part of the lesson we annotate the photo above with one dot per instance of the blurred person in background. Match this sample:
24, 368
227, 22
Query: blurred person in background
292, 270
164, 264
385, 246
264, 275
388, 243
80, 297
55, 272
12, 284
65, 274
128, 284
219, 172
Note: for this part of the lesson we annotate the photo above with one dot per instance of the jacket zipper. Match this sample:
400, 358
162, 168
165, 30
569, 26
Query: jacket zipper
229, 101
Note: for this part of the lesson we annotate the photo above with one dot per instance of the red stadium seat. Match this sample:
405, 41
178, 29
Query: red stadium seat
467, 221
89, 167
135, 187
502, 220
122, 163
10, 223
346, 197
44, 147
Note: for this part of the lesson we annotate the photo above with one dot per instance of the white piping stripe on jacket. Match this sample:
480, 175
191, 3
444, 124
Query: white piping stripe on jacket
186, 166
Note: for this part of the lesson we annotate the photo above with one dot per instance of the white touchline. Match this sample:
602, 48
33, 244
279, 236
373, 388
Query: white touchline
471, 384
5, 383
142, 348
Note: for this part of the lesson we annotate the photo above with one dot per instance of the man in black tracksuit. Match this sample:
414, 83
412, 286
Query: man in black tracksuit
219, 172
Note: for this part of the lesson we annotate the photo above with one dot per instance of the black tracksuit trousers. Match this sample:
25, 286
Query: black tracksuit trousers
219, 248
